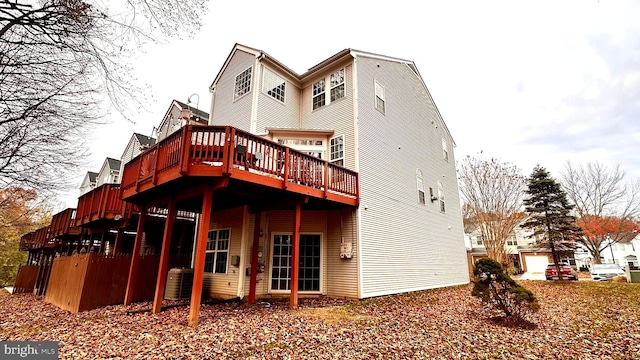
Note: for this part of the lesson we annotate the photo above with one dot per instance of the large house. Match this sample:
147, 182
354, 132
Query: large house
340, 181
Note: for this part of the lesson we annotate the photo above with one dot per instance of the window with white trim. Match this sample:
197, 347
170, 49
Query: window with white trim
479, 241
420, 185
273, 85
441, 196
337, 150
379, 97
217, 251
318, 94
337, 85
445, 150
308, 259
512, 240
243, 83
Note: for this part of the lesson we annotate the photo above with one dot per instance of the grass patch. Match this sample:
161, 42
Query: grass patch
334, 315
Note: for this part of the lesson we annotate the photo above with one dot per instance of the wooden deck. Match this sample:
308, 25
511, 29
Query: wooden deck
198, 151
102, 203
64, 224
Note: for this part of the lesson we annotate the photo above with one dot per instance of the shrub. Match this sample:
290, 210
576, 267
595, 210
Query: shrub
496, 288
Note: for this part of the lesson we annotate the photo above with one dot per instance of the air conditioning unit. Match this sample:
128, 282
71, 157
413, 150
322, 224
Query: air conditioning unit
179, 283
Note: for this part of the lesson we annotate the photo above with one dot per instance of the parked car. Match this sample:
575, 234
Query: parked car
551, 273
605, 272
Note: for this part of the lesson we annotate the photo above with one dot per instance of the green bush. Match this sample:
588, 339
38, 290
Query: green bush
496, 288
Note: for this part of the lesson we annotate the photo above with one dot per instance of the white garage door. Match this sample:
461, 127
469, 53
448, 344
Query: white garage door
536, 263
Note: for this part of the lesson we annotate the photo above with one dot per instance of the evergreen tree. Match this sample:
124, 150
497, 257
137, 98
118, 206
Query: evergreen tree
549, 219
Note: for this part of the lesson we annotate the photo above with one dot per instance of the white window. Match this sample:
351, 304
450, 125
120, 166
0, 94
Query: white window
512, 241
379, 97
273, 85
243, 83
217, 251
445, 150
318, 94
420, 184
337, 150
479, 241
441, 196
337, 85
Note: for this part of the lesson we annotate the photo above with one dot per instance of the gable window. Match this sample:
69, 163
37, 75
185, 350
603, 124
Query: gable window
420, 184
217, 251
243, 83
512, 241
337, 150
445, 150
337, 85
318, 94
273, 85
441, 196
380, 98
479, 241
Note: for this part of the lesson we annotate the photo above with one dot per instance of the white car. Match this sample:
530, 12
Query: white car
605, 272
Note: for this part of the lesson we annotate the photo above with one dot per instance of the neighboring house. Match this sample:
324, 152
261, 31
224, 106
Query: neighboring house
624, 252
178, 115
109, 172
523, 254
369, 113
136, 145
89, 182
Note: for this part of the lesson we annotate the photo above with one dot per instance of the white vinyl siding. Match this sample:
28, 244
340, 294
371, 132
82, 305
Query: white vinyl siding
226, 284
226, 109
273, 113
336, 116
445, 150
404, 246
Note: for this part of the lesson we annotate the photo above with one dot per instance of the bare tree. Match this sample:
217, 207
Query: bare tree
492, 192
64, 64
606, 205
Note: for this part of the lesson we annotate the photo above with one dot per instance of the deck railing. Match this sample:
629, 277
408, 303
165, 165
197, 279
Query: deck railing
103, 202
229, 149
64, 223
27, 241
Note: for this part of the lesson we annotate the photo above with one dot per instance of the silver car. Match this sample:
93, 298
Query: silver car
605, 272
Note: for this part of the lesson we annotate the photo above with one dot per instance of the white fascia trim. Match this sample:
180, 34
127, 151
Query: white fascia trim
256, 92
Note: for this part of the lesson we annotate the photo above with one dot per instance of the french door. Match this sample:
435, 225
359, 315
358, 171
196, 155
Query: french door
309, 266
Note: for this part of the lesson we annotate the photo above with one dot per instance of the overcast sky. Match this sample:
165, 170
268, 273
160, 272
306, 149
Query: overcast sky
528, 82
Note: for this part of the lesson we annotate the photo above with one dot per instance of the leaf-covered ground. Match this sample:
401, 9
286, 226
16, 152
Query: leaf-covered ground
577, 320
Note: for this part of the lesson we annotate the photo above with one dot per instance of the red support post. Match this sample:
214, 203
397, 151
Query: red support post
201, 249
135, 257
164, 257
254, 259
295, 258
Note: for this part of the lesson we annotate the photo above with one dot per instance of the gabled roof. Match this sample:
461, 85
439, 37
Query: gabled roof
193, 109
144, 140
93, 176
113, 164
339, 56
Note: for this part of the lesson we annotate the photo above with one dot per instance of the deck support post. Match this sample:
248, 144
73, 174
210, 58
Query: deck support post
201, 248
254, 259
295, 258
164, 256
117, 245
135, 257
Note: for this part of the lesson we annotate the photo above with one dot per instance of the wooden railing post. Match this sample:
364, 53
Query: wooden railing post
326, 179
138, 172
186, 149
230, 145
286, 168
